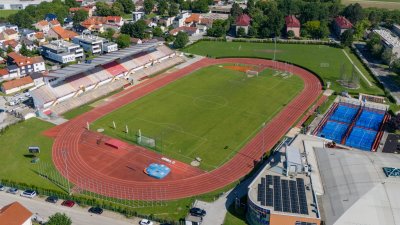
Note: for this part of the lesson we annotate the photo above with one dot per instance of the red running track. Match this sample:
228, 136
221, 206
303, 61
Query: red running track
68, 137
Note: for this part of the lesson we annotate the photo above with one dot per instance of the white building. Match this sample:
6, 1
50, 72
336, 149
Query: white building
179, 21
62, 51
19, 4
21, 66
389, 41
95, 44
137, 15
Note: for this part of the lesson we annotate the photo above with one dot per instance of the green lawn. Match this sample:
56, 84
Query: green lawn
77, 111
214, 110
7, 12
325, 61
14, 142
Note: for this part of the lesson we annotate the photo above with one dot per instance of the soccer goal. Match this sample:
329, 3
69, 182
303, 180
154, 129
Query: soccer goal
145, 141
251, 73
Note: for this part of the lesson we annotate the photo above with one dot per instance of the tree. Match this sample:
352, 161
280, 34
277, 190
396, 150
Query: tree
162, 7
395, 66
346, 39
387, 56
157, 32
22, 19
173, 9
290, 34
241, 32
9, 49
128, 5
136, 30
376, 50
117, 9
148, 6
200, 6
71, 3
108, 33
236, 10
360, 27
374, 39
181, 40
353, 12
123, 41
102, 9
23, 50
59, 219
252, 32
316, 29
79, 16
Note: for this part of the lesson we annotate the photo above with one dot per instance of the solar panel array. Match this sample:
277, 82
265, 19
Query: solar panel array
284, 195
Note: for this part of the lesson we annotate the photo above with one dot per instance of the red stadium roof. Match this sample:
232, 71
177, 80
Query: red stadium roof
114, 68
343, 23
243, 20
292, 21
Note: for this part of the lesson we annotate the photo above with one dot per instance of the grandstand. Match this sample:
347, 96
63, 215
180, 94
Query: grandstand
355, 124
135, 66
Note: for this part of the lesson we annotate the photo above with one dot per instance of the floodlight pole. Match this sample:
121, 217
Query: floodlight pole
64, 153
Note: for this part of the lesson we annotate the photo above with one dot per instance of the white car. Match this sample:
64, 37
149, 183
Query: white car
29, 194
145, 222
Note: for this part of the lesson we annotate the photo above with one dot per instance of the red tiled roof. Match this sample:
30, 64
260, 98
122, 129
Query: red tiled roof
10, 31
195, 17
3, 72
184, 29
343, 23
55, 22
64, 34
14, 214
292, 21
21, 60
114, 19
243, 20
87, 9
39, 35
17, 83
42, 23
13, 43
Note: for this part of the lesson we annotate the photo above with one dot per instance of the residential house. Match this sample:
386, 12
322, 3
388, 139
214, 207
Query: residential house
243, 21
89, 9
54, 23
179, 20
137, 15
20, 66
191, 31
62, 51
10, 34
4, 26
15, 45
30, 45
150, 23
28, 34
15, 214
39, 36
16, 85
100, 24
42, 26
341, 24
95, 44
136, 41
166, 21
4, 74
192, 20
293, 24
59, 32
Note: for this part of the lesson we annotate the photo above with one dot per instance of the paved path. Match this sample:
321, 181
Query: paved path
79, 215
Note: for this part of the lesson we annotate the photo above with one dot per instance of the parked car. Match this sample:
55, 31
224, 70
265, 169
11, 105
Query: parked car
28, 193
145, 222
197, 212
68, 203
96, 210
12, 191
52, 199
2, 188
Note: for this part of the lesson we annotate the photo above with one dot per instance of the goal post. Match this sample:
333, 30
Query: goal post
145, 140
251, 73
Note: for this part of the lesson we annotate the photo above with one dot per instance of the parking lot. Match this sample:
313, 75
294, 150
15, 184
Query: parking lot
79, 215
14, 108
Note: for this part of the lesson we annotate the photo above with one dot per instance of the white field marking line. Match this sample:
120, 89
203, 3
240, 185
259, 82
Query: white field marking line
365, 78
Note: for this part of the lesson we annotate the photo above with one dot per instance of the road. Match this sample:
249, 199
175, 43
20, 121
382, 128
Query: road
79, 215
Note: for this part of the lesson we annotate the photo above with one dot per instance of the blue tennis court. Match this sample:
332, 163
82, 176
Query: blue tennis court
334, 131
361, 138
344, 113
370, 119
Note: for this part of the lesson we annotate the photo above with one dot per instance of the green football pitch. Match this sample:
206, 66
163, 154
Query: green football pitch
325, 61
210, 113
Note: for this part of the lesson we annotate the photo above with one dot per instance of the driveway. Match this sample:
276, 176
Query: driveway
79, 215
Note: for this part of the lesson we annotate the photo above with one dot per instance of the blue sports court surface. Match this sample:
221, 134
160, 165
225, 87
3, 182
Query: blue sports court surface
361, 125
158, 171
